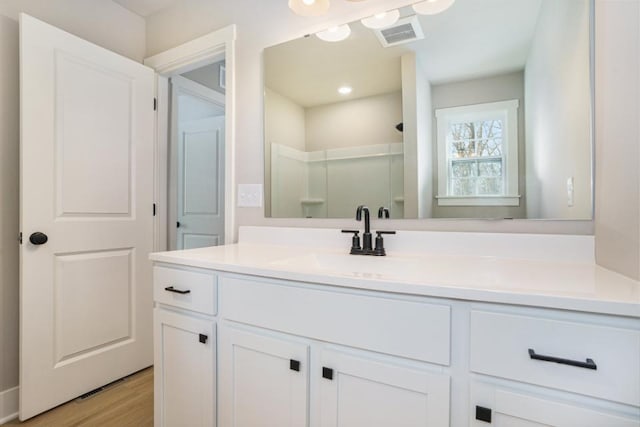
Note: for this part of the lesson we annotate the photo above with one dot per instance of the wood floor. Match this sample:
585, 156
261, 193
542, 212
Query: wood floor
124, 404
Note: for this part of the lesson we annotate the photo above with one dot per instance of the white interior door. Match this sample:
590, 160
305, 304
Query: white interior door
87, 183
199, 157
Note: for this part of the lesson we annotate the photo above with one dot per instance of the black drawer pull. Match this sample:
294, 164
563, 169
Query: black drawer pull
483, 414
177, 291
327, 373
589, 364
294, 365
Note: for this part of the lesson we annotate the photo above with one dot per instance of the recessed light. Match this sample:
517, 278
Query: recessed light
345, 90
335, 34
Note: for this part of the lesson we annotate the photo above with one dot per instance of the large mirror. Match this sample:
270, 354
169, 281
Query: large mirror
481, 111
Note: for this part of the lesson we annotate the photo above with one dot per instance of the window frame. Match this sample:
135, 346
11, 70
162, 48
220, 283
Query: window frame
508, 111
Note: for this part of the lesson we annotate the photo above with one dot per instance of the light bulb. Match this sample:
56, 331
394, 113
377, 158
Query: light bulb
335, 34
309, 7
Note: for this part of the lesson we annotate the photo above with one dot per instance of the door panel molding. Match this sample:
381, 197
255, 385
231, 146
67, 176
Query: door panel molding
85, 293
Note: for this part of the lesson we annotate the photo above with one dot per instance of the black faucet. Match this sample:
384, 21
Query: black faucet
366, 237
383, 213
367, 248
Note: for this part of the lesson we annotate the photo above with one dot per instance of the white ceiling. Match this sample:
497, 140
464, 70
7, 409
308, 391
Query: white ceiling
146, 7
471, 39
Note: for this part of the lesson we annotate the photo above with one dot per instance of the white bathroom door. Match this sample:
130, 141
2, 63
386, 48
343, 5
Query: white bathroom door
197, 166
87, 184
201, 183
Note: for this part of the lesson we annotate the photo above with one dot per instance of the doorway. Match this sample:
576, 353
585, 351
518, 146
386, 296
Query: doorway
186, 61
197, 158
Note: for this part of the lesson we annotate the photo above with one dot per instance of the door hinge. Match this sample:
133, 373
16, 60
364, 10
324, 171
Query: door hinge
20, 237
155, 104
154, 209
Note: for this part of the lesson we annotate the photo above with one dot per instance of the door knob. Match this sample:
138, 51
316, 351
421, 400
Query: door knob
38, 238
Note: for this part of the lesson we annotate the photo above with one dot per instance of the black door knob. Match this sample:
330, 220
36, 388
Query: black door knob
38, 238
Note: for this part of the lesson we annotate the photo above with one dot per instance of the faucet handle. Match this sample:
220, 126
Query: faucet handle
383, 212
379, 249
356, 249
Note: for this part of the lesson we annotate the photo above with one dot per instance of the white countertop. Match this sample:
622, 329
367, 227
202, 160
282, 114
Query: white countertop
566, 284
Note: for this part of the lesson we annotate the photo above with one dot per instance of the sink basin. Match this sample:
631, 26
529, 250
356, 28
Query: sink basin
353, 265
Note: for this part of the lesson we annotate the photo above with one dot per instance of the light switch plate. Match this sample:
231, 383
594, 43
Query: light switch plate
570, 192
249, 195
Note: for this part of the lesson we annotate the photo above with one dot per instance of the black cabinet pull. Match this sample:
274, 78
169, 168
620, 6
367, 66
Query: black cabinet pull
203, 338
294, 365
589, 364
327, 373
483, 414
177, 291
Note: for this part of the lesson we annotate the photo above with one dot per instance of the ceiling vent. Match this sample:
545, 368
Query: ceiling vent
405, 30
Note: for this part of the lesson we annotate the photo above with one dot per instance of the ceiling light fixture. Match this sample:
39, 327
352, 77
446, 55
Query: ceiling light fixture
345, 90
381, 20
432, 7
335, 34
309, 7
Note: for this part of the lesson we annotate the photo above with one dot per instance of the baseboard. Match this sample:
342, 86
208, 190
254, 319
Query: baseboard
8, 405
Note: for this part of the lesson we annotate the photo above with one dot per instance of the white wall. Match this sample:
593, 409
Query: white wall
208, 76
102, 22
418, 140
558, 91
410, 119
618, 136
284, 121
264, 23
425, 141
9, 160
285, 125
365, 121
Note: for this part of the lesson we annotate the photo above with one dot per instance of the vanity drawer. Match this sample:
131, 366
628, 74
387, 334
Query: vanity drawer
407, 329
187, 289
510, 346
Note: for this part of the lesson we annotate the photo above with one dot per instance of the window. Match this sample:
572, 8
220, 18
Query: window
478, 155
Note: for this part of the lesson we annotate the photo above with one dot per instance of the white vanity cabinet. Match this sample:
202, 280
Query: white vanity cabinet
299, 354
279, 341
510, 405
366, 391
184, 347
263, 379
548, 371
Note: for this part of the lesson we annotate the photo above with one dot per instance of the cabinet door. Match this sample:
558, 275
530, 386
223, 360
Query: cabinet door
263, 379
357, 391
513, 408
184, 370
